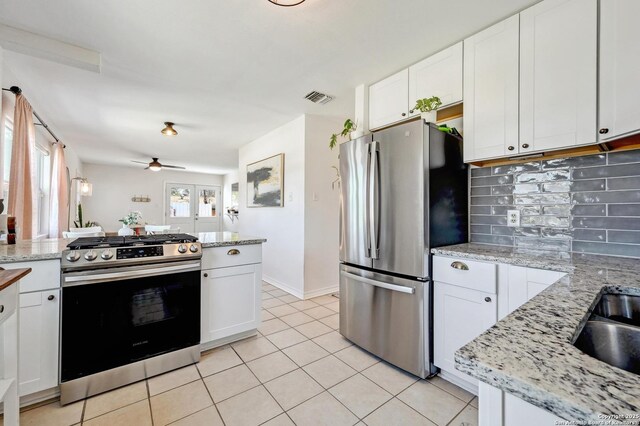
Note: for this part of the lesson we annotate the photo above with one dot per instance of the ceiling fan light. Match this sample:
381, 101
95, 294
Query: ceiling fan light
168, 129
155, 168
286, 3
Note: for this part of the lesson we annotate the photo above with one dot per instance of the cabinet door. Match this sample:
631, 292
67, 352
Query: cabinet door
526, 283
438, 75
231, 301
558, 74
39, 337
619, 68
491, 91
460, 315
388, 100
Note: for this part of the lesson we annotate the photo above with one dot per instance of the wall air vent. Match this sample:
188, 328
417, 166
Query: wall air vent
318, 98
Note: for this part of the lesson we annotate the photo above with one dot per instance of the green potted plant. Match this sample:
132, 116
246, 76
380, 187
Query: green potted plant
428, 107
79, 223
349, 129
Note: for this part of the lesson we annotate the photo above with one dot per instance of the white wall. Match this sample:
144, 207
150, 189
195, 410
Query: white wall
228, 179
114, 186
283, 227
322, 205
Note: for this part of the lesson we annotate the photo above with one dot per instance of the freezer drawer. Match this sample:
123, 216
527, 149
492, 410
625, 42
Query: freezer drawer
387, 316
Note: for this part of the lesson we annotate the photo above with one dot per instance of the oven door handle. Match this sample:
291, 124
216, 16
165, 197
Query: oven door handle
70, 280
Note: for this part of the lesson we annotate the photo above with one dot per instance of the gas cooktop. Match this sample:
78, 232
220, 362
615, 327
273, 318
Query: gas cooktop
132, 240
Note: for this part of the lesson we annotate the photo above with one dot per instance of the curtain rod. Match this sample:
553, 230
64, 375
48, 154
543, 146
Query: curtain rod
16, 91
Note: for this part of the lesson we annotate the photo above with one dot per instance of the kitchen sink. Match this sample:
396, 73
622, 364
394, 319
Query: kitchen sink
615, 344
612, 333
619, 307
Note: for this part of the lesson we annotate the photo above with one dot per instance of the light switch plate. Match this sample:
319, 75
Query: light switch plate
513, 218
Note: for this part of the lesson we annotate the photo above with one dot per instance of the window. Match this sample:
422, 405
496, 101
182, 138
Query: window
42, 179
6, 156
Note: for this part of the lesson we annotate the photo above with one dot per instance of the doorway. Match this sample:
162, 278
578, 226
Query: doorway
193, 208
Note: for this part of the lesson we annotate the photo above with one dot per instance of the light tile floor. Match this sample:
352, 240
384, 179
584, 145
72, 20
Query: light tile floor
297, 370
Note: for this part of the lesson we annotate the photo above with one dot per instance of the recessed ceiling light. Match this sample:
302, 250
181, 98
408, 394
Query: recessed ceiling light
168, 129
286, 3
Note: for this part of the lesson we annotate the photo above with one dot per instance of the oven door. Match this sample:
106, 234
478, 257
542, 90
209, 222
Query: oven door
115, 316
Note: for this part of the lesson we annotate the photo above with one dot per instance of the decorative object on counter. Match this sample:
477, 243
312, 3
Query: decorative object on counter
350, 128
168, 129
11, 230
286, 3
156, 166
427, 108
140, 199
79, 223
267, 177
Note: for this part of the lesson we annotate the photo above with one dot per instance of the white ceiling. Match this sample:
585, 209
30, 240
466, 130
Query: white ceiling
225, 71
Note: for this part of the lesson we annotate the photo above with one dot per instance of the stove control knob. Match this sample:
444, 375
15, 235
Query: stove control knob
193, 248
90, 255
73, 256
107, 254
182, 248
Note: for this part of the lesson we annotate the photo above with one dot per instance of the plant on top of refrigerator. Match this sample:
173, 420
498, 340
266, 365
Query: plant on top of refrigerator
349, 126
428, 104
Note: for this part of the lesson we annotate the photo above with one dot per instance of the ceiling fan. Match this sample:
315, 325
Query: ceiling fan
156, 166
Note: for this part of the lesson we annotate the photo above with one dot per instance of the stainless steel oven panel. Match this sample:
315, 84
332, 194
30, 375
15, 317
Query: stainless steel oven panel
387, 316
94, 384
126, 273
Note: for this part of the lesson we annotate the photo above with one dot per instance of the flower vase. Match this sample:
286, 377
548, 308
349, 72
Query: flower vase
125, 230
430, 116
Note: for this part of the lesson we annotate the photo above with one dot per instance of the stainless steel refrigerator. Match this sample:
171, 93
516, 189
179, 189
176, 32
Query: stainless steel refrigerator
403, 192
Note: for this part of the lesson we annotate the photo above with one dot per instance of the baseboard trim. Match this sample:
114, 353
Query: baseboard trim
282, 286
226, 340
460, 382
321, 292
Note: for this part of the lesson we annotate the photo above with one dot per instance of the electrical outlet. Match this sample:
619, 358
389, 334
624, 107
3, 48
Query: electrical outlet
513, 218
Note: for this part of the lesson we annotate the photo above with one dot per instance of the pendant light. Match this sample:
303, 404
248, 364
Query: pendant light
168, 129
286, 3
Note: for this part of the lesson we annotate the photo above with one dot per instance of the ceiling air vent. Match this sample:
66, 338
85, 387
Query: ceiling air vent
318, 98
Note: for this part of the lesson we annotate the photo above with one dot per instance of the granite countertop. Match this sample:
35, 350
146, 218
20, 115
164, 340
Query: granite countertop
222, 239
530, 353
22, 251
52, 248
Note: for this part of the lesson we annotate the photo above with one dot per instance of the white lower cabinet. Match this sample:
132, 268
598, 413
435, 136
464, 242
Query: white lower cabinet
499, 408
469, 297
460, 315
39, 337
231, 297
39, 328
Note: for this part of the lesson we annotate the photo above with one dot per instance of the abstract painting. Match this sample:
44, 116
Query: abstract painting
265, 182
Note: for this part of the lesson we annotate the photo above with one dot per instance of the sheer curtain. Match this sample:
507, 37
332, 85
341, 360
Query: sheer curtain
59, 198
21, 179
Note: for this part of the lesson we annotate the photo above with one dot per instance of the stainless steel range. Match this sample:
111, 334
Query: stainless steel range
130, 310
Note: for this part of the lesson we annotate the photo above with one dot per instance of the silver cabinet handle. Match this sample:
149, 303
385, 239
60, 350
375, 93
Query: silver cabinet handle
459, 265
233, 252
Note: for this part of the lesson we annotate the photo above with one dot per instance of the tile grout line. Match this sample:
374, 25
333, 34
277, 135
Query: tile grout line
211, 396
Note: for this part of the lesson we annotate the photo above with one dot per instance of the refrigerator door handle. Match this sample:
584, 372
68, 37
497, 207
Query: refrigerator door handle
374, 199
367, 204
392, 287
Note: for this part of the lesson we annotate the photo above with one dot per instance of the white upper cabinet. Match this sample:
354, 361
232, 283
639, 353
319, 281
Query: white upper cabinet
491, 91
389, 100
619, 68
558, 74
438, 75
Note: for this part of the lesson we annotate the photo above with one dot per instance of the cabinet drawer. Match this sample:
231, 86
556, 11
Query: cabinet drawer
45, 275
222, 257
465, 273
8, 302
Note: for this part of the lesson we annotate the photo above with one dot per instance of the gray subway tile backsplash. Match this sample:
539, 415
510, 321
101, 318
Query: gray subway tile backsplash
588, 204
